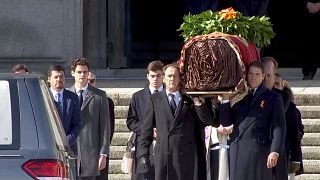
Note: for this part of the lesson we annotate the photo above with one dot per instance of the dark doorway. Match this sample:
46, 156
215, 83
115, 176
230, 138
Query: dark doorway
153, 31
153, 24
286, 17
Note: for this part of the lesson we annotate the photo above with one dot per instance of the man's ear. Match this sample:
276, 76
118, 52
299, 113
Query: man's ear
72, 73
48, 80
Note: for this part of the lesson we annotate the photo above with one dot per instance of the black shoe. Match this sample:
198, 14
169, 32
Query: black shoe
307, 77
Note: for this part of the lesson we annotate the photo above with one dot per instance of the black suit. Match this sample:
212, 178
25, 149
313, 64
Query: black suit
259, 129
134, 122
175, 150
70, 117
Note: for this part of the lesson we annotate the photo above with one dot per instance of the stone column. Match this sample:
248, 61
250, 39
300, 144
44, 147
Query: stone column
95, 32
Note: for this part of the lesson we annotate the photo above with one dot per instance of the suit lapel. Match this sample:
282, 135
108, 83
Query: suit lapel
164, 102
247, 122
65, 101
261, 89
182, 108
88, 97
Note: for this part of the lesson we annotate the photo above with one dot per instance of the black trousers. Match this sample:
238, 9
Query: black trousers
310, 44
214, 164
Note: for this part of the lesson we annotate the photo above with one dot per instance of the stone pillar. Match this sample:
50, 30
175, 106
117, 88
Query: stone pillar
116, 33
95, 32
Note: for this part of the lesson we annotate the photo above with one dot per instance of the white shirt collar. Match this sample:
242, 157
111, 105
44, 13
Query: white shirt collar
152, 89
85, 89
54, 93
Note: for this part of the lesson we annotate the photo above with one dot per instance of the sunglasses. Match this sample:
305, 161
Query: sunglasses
92, 80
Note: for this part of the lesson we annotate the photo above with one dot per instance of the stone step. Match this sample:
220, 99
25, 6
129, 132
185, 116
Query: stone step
120, 139
117, 152
306, 177
121, 125
309, 139
300, 177
122, 97
310, 125
310, 166
119, 176
307, 99
308, 152
115, 166
309, 112
121, 112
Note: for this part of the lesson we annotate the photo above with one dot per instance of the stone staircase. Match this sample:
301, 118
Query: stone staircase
309, 105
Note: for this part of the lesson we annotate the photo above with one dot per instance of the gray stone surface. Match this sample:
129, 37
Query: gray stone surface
121, 112
311, 125
311, 152
121, 125
39, 32
311, 139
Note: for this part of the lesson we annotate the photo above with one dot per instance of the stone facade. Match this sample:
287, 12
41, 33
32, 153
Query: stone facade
39, 33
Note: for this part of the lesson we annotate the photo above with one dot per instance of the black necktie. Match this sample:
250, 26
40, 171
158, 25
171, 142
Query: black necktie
59, 107
81, 98
250, 95
155, 91
172, 104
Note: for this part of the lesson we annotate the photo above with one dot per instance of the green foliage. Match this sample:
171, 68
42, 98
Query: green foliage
257, 30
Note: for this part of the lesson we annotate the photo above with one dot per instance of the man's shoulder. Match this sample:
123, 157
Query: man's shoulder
97, 91
272, 95
140, 93
69, 93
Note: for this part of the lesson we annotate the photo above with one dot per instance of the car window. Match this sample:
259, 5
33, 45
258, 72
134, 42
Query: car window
9, 120
5, 111
54, 118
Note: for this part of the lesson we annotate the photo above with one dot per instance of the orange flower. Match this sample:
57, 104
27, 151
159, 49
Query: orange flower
228, 13
262, 104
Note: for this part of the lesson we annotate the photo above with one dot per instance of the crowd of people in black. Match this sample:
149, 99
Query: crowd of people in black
87, 116
175, 132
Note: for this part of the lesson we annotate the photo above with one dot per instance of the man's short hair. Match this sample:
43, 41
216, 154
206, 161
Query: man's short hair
81, 61
256, 64
19, 67
55, 68
155, 66
278, 75
270, 59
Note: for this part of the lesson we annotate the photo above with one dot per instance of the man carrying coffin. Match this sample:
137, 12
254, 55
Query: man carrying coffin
259, 129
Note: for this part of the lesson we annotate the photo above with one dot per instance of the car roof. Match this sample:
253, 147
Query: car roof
20, 76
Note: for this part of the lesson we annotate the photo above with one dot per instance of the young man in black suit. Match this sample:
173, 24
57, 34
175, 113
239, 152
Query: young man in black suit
259, 129
94, 137
136, 112
176, 117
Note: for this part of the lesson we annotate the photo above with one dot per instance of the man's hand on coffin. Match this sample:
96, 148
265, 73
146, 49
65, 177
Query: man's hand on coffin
198, 101
225, 130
